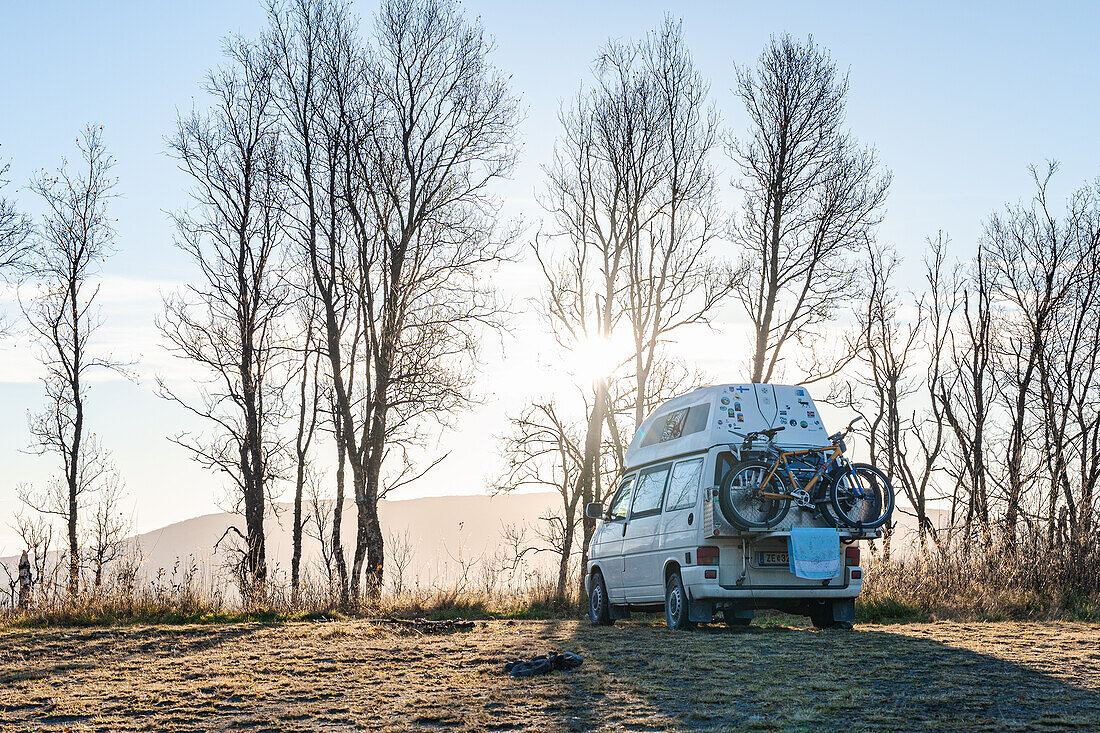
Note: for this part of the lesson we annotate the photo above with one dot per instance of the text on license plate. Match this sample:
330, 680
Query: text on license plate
774, 558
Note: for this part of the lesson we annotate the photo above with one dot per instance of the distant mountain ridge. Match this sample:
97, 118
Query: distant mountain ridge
444, 532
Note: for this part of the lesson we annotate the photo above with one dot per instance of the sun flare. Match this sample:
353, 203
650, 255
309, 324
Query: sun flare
593, 358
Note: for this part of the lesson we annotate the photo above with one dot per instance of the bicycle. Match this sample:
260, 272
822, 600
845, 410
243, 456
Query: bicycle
752, 495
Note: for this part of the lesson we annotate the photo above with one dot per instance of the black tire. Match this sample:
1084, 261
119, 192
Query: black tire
735, 622
738, 496
676, 604
599, 604
825, 621
861, 496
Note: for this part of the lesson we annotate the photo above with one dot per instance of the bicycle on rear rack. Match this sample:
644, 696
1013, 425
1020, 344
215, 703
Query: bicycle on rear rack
757, 493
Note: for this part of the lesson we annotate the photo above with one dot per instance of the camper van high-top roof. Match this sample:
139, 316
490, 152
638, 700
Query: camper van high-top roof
715, 414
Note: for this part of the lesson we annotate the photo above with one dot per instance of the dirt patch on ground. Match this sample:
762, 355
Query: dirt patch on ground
363, 676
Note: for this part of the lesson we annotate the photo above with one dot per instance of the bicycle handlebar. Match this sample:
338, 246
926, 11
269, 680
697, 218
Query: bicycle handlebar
841, 436
769, 434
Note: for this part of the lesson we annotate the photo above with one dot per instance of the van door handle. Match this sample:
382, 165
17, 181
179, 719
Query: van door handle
624, 529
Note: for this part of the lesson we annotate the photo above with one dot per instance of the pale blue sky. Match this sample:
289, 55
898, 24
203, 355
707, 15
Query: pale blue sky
957, 98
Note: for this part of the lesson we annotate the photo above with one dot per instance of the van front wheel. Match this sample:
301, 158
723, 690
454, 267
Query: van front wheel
599, 606
676, 603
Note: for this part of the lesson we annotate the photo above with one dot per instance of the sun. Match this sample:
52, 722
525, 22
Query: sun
593, 358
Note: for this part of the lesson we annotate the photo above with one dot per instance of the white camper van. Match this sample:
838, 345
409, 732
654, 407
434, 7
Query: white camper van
734, 498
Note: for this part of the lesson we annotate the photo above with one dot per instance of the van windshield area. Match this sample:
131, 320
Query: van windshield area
619, 504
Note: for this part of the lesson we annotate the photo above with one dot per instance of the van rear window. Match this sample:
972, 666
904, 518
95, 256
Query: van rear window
684, 485
677, 424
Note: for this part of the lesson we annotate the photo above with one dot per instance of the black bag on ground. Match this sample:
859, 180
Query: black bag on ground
543, 664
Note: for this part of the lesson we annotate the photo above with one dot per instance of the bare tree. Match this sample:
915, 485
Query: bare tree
632, 199
440, 133
672, 280
108, 530
400, 549
74, 239
905, 430
15, 229
1017, 385
318, 525
884, 349
811, 198
400, 165
318, 71
36, 535
965, 396
336, 542
309, 405
604, 168
14, 583
15, 232
229, 323
936, 310
544, 450
1069, 375
1036, 262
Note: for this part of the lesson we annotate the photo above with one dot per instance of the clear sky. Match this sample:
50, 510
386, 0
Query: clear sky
958, 99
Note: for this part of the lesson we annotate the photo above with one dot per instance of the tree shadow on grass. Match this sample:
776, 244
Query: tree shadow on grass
51, 653
645, 677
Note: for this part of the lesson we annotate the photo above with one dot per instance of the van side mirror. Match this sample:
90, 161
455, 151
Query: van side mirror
593, 510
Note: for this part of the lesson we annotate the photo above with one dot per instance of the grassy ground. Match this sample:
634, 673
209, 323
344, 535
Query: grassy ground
355, 675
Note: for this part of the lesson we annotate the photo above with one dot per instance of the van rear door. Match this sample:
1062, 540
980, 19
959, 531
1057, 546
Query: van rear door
681, 522
767, 564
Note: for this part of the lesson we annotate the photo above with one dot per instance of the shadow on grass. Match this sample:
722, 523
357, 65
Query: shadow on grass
33, 654
644, 677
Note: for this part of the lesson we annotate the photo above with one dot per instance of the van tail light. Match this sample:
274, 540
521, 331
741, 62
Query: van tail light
851, 556
707, 556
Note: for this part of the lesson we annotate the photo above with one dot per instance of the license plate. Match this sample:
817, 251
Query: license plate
777, 559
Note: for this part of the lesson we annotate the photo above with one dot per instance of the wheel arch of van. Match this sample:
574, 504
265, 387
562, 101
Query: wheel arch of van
597, 567
672, 565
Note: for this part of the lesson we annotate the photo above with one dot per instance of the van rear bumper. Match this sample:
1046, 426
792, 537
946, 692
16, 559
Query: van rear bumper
700, 588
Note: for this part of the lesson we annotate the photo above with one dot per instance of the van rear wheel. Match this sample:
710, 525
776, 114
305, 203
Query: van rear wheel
822, 621
831, 614
599, 605
676, 603
734, 621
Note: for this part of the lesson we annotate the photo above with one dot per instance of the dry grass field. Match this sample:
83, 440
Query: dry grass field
355, 675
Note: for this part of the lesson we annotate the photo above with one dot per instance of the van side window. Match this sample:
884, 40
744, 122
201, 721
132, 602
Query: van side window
684, 485
619, 504
650, 492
